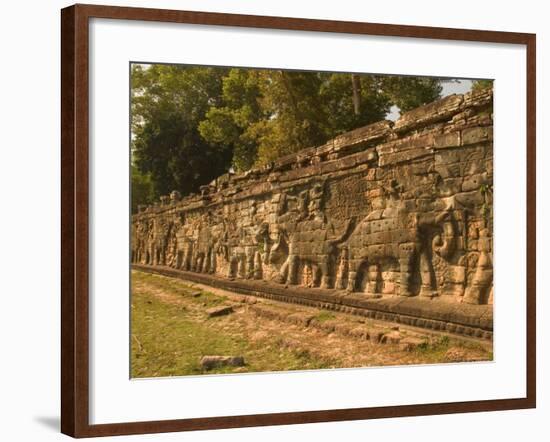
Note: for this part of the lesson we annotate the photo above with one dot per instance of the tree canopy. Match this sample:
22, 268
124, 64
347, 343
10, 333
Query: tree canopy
481, 84
191, 124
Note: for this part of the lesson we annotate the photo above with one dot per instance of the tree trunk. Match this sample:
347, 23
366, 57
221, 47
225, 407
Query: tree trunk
356, 87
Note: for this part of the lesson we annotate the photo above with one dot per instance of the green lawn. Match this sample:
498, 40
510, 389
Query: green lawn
168, 339
171, 331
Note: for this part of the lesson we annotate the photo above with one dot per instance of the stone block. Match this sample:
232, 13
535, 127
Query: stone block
400, 157
440, 110
407, 143
444, 141
363, 135
211, 362
376, 196
412, 343
474, 182
393, 337
219, 311
476, 135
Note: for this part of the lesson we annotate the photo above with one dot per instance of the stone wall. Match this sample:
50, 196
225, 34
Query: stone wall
390, 209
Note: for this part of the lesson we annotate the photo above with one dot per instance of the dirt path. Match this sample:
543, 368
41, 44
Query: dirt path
270, 335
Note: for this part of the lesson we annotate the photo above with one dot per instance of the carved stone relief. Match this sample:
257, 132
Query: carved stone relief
406, 212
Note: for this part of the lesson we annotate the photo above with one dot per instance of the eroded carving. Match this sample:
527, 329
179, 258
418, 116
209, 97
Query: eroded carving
407, 213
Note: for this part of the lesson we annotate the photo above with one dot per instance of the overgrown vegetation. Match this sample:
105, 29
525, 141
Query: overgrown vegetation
325, 315
171, 331
191, 124
169, 339
481, 84
446, 349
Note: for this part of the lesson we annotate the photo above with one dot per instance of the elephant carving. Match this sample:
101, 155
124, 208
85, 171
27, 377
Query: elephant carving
306, 236
204, 255
310, 244
244, 257
407, 237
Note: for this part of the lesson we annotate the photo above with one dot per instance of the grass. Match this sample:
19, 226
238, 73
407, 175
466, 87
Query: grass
176, 287
438, 350
169, 340
324, 316
435, 350
171, 331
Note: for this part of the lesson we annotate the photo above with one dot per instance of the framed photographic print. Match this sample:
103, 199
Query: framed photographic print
270, 220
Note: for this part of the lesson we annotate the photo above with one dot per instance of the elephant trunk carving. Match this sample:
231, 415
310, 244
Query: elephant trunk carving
387, 236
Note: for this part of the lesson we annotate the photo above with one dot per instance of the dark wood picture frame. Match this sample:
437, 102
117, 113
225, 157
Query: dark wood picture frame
75, 220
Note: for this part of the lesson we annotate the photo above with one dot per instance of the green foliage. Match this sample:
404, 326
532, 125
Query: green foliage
435, 349
410, 92
142, 189
267, 114
324, 316
295, 117
481, 84
232, 123
170, 334
191, 124
168, 103
337, 95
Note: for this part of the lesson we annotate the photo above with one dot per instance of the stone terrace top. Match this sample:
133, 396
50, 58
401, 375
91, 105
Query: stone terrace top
375, 144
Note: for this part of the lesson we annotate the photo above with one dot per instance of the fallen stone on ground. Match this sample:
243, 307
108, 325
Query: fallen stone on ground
331, 340
219, 311
411, 343
455, 355
393, 337
215, 361
378, 334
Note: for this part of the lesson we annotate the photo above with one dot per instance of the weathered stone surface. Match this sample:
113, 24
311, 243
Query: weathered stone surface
451, 139
300, 319
393, 337
404, 156
476, 319
455, 355
210, 362
475, 135
434, 112
376, 336
375, 218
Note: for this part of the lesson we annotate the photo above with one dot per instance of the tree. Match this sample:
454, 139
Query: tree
191, 124
142, 189
352, 103
231, 124
168, 103
410, 92
266, 114
481, 84
295, 115
270, 113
